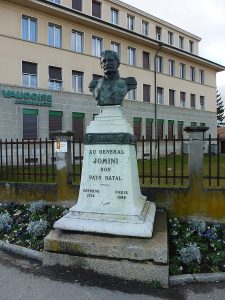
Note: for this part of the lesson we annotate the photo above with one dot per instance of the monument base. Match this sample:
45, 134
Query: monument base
127, 258
137, 226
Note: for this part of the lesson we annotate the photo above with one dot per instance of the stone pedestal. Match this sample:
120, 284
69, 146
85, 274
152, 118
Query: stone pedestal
110, 200
127, 258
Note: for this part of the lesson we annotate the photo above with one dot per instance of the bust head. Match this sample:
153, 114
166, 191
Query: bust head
109, 62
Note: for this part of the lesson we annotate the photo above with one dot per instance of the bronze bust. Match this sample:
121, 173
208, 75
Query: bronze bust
111, 89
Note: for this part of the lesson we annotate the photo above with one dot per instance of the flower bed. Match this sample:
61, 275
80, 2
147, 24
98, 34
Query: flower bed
27, 224
196, 247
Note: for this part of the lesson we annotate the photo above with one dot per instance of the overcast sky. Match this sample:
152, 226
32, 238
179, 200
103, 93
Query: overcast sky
204, 18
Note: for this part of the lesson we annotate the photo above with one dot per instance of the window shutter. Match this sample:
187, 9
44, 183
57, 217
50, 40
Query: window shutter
137, 127
77, 4
78, 125
29, 68
96, 9
55, 73
55, 122
30, 123
146, 64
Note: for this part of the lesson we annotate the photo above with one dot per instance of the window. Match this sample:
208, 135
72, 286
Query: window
171, 67
130, 22
160, 128
77, 4
114, 16
201, 77
54, 122
159, 64
29, 74
30, 123
96, 9
159, 95
77, 41
55, 1
192, 73
191, 46
77, 81
181, 42
54, 35
146, 62
137, 127
182, 71
170, 38
55, 78
29, 29
96, 46
96, 77
146, 93
148, 134
145, 26
158, 33
78, 125
193, 124
170, 129
182, 99
115, 47
202, 102
180, 129
171, 97
193, 101
131, 95
131, 56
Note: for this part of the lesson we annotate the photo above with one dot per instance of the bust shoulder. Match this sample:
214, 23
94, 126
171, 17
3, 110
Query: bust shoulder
131, 83
92, 85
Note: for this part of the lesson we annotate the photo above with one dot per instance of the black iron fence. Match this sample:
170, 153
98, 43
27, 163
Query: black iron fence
161, 162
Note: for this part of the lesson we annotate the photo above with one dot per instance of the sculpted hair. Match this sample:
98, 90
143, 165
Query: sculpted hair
113, 53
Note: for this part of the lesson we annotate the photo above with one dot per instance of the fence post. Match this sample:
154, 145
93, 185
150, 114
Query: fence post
196, 154
63, 164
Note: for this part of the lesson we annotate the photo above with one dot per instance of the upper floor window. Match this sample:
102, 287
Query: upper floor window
131, 95
191, 46
182, 99
201, 77
115, 47
159, 95
29, 74
131, 56
146, 62
171, 97
114, 16
182, 71
146, 93
29, 29
96, 9
159, 64
55, 78
181, 42
77, 4
96, 46
145, 26
192, 100
202, 102
192, 73
171, 67
55, 35
130, 22
158, 33
170, 38
77, 81
77, 41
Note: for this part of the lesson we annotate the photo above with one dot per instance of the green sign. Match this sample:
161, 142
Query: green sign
28, 98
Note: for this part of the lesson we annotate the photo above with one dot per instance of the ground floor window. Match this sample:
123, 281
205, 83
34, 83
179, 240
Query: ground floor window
55, 122
78, 125
170, 129
180, 129
149, 129
160, 128
30, 123
137, 127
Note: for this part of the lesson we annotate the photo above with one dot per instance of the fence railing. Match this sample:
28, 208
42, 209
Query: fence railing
161, 162
27, 160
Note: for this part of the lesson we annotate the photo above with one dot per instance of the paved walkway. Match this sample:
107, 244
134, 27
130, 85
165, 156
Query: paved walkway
27, 280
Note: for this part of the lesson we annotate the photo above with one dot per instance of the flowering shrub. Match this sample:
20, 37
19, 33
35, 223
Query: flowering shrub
27, 225
196, 247
37, 228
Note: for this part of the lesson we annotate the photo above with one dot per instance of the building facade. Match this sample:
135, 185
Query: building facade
50, 52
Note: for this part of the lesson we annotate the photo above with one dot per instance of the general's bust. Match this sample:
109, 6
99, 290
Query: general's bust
111, 89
